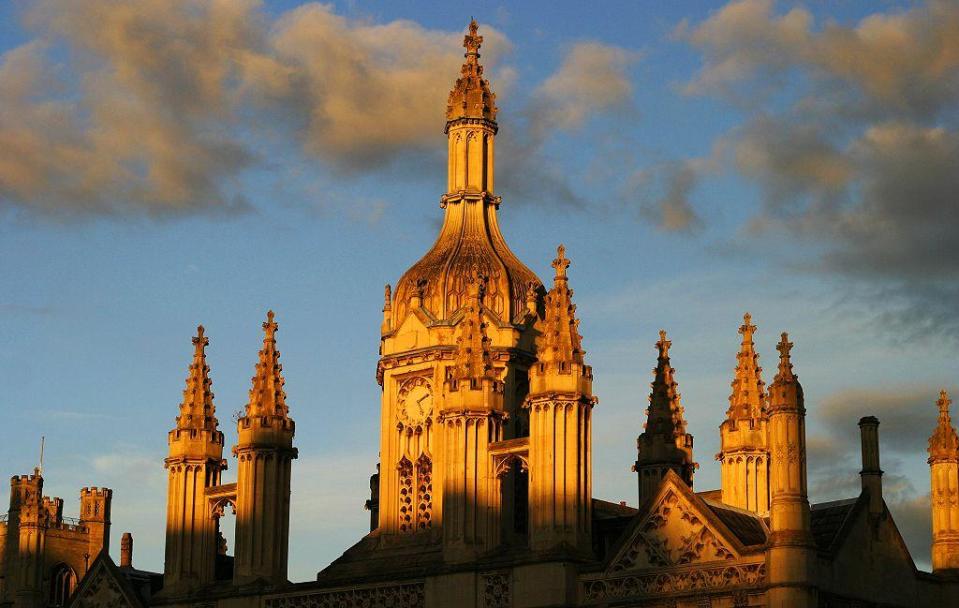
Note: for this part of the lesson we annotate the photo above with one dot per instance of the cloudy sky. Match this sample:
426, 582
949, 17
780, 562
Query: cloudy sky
168, 163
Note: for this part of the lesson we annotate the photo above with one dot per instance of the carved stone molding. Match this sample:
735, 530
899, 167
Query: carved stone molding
410, 595
497, 590
672, 534
687, 581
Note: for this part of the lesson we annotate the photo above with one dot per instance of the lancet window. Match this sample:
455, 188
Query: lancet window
424, 492
406, 495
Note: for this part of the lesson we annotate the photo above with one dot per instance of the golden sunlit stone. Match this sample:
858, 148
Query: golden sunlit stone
483, 495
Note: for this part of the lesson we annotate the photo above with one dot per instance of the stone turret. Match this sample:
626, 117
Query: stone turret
744, 451
264, 453
791, 553
472, 418
944, 471
560, 406
664, 444
195, 463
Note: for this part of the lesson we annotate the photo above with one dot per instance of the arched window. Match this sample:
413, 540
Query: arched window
424, 492
63, 580
405, 469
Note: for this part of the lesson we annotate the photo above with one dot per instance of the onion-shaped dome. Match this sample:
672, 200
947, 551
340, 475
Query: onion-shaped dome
469, 245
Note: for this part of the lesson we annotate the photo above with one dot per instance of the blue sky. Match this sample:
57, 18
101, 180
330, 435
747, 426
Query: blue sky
169, 164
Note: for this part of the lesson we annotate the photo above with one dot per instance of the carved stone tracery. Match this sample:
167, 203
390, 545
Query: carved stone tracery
411, 595
668, 582
673, 534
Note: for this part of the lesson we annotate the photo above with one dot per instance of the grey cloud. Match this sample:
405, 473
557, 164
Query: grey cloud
906, 416
854, 145
671, 185
154, 107
905, 63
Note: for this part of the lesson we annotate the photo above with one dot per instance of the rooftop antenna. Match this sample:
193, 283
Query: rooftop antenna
40, 468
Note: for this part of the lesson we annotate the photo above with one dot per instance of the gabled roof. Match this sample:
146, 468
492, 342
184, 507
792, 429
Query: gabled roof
717, 532
105, 585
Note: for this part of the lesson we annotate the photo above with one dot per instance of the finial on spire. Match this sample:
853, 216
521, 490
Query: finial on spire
944, 442
200, 340
472, 41
663, 344
471, 96
196, 409
747, 328
561, 263
785, 362
267, 396
387, 297
749, 391
944, 402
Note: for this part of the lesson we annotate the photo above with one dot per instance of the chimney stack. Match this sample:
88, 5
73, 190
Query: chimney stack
126, 550
871, 474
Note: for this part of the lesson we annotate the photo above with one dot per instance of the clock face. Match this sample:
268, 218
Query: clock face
416, 404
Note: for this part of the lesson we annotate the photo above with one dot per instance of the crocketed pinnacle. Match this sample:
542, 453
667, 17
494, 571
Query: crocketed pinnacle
560, 341
944, 443
267, 397
664, 417
471, 96
196, 410
473, 361
748, 396
785, 391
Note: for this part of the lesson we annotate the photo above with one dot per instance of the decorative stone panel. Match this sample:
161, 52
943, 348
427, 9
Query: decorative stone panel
497, 590
668, 582
387, 596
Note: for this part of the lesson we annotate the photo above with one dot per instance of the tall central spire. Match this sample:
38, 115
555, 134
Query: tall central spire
470, 242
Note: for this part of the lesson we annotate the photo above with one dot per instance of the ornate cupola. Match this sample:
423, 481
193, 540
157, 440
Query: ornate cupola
470, 241
458, 337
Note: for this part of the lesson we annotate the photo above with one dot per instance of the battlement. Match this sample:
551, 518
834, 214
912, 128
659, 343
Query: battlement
95, 491
24, 479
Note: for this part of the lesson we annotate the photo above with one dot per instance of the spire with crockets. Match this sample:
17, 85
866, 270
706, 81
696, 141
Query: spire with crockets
267, 397
748, 397
197, 410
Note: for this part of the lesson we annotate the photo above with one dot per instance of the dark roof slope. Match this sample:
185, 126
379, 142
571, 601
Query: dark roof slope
748, 527
828, 519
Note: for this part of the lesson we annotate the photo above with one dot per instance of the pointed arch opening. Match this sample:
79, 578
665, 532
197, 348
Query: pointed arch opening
63, 582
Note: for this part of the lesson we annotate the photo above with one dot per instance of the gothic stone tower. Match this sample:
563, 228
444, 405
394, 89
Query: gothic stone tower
457, 341
664, 444
744, 454
264, 453
791, 554
194, 465
560, 408
944, 471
